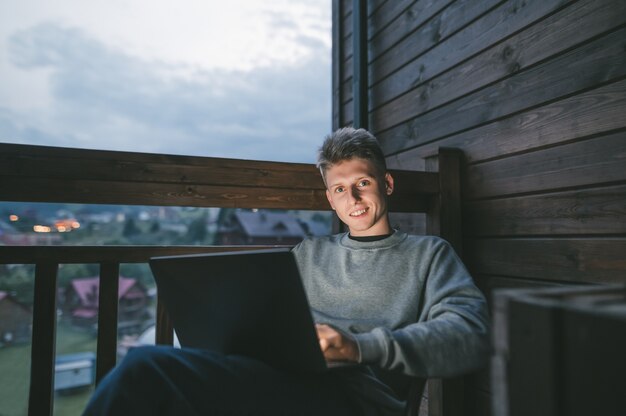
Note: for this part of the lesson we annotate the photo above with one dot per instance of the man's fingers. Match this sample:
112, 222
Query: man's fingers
324, 344
335, 345
328, 337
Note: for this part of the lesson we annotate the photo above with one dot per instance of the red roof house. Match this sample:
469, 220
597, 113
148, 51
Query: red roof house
80, 303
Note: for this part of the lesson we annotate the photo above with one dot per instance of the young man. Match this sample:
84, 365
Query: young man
380, 297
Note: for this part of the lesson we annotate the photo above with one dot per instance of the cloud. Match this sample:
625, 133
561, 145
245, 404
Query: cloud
104, 98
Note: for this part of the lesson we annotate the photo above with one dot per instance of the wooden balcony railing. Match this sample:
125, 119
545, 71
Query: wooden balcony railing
51, 174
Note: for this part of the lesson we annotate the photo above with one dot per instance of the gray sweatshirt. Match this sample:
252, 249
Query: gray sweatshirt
408, 301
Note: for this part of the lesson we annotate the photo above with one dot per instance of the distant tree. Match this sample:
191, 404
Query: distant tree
197, 231
19, 281
69, 272
139, 271
321, 217
155, 227
130, 228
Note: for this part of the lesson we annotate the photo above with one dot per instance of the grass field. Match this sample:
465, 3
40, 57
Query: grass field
15, 375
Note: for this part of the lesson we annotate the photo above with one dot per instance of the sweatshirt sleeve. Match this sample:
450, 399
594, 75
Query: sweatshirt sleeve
451, 335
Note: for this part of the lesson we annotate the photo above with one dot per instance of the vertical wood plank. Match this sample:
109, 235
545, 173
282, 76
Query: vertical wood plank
107, 318
337, 63
444, 215
445, 397
164, 328
359, 60
533, 359
40, 399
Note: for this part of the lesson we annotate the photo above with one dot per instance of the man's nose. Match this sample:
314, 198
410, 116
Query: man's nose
355, 194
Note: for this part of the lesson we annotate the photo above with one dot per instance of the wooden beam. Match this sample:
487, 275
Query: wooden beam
444, 215
359, 59
18, 160
599, 61
590, 162
104, 254
446, 396
337, 63
44, 340
107, 318
50, 174
164, 334
593, 211
591, 260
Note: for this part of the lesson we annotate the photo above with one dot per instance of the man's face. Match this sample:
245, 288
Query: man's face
359, 196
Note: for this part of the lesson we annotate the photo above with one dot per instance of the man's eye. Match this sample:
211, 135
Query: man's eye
339, 189
364, 183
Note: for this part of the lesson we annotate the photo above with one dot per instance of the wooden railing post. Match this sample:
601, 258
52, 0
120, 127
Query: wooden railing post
164, 328
445, 396
444, 213
43, 342
107, 318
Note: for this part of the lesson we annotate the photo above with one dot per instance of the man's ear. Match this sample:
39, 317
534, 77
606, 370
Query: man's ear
330, 201
388, 183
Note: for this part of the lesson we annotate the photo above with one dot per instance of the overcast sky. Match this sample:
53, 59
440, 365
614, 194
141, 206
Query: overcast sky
239, 78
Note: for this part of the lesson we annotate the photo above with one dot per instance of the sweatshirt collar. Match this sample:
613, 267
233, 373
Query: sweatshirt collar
392, 240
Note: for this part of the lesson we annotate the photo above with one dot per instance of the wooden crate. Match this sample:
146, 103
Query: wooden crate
560, 351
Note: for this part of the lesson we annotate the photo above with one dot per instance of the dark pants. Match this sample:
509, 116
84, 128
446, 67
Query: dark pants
166, 381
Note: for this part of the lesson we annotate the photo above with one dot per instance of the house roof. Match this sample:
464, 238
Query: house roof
269, 224
87, 288
5, 295
316, 228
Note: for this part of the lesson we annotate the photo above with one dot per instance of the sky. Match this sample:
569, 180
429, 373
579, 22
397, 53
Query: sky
240, 78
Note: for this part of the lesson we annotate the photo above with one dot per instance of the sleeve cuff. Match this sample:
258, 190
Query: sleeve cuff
371, 347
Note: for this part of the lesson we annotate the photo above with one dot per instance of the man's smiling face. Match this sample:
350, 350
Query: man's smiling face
358, 193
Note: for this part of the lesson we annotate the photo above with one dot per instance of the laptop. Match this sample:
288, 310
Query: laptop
249, 303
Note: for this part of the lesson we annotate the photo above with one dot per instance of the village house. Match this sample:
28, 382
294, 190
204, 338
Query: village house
15, 320
79, 301
261, 227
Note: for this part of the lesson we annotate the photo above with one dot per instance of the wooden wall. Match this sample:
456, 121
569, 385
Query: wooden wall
534, 93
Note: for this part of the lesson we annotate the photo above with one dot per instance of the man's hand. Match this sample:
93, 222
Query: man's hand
335, 345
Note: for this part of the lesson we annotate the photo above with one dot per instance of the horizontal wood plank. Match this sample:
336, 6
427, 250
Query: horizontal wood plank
384, 16
430, 48
48, 174
58, 162
596, 161
123, 193
590, 113
588, 211
489, 283
415, 31
590, 260
526, 48
600, 61
399, 25
105, 254
23, 189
